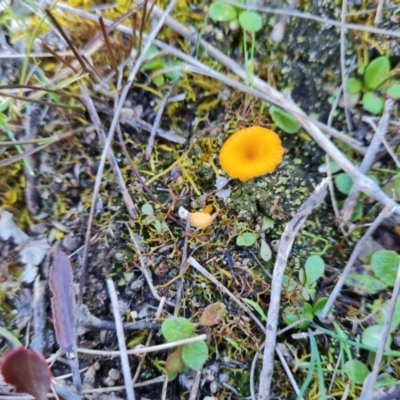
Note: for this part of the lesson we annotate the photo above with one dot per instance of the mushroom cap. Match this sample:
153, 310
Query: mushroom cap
250, 153
201, 220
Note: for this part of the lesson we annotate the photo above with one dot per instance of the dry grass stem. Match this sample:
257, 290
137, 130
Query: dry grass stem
148, 341
126, 369
111, 158
220, 286
369, 159
109, 139
385, 213
285, 247
194, 391
142, 350
367, 392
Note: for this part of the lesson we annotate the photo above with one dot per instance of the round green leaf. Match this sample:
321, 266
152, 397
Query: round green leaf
356, 371
250, 21
246, 239
385, 264
380, 311
343, 183
377, 72
372, 103
319, 305
372, 336
394, 91
195, 354
174, 329
283, 120
397, 185
354, 86
265, 251
222, 12
147, 209
314, 269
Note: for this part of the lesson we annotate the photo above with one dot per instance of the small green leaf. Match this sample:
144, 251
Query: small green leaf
356, 371
222, 12
394, 91
257, 307
148, 220
362, 281
250, 21
372, 336
174, 329
333, 166
306, 313
354, 86
397, 185
377, 72
385, 264
265, 251
268, 223
314, 269
10, 337
379, 312
283, 120
372, 103
158, 80
246, 239
154, 63
147, 209
319, 305
343, 183
195, 354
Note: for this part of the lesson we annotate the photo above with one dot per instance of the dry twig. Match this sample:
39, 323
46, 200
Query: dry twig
220, 286
109, 139
126, 371
367, 392
367, 162
385, 213
285, 246
130, 206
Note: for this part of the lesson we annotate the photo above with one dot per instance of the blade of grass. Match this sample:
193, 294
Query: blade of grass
310, 373
42, 102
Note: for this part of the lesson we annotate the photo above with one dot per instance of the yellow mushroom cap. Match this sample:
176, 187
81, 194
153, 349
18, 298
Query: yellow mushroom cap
201, 220
251, 152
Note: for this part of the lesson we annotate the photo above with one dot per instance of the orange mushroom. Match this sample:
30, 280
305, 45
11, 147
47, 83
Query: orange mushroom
250, 153
201, 220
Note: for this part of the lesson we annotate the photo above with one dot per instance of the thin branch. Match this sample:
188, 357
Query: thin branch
385, 213
126, 371
367, 392
285, 246
367, 162
130, 206
343, 65
109, 139
108, 45
179, 290
141, 350
148, 341
158, 119
379, 9
220, 286
195, 386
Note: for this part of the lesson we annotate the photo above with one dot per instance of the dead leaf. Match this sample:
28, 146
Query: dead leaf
63, 301
32, 255
213, 314
27, 371
9, 229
